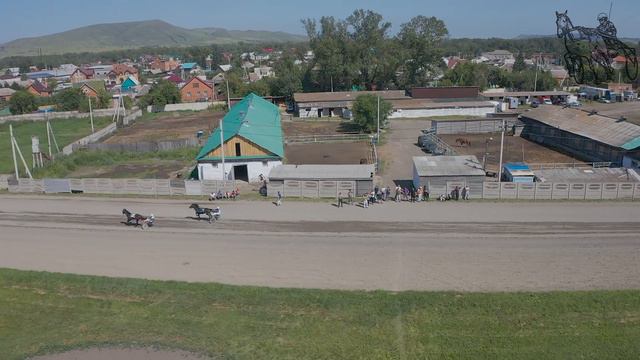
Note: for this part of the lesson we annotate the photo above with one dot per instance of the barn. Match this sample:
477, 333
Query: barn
583, 134
441, 174
253, 143
320, 180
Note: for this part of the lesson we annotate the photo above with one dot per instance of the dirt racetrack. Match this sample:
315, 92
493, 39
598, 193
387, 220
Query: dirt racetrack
478, 246
327, 153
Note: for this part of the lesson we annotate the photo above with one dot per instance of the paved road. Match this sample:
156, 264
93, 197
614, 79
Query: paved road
499, 246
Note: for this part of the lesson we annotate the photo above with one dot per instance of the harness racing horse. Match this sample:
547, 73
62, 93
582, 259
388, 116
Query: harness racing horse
136, 219
602, 46
212, 214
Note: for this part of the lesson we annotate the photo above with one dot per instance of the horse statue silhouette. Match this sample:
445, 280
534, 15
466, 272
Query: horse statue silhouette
587, 48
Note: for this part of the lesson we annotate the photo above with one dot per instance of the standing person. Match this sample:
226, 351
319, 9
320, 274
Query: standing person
466, 192
397, 197
456, 193
425, 193
350, 197
365, 202
279, 200
387, 193
340, 200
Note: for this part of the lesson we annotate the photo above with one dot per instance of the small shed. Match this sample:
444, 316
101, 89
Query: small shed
518, 173
320, 180
442, 174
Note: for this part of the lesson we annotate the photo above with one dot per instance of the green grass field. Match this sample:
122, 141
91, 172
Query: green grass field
87, 160
65, 130
44, 312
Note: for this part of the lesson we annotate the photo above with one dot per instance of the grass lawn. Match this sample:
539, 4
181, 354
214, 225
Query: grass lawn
65, 130
44, 312
89, 164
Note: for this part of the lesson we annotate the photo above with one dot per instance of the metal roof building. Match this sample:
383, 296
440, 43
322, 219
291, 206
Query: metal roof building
442, 174
586, 135
587, 175
320, 180
329, 104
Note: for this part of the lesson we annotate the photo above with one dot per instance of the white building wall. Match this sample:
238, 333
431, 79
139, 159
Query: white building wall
213, 171
419, 113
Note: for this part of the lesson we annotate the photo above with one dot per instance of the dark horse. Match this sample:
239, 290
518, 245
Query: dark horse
212, 214
136, 219
602, 47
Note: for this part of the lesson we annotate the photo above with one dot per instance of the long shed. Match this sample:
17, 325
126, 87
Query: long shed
320, 180
441, 174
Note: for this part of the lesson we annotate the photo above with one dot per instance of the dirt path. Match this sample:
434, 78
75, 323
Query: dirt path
541, 247
121, 354
399, 149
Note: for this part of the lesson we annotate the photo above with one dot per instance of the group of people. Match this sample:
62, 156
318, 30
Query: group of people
219, 195
456, 194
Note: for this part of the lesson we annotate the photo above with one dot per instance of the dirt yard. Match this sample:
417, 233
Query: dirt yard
167, 127
331, 153
158, 169
515, 149
298, 128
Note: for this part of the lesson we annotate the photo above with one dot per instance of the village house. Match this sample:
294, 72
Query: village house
6, 93
38, 89
197, 90
498, 56
120, 72
164, 65
91, 88
253, 143
81, 74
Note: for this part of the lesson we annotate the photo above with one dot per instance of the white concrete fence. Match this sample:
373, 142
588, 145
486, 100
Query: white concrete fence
55, 115
157, 187
100, 134
326, 189
196, 106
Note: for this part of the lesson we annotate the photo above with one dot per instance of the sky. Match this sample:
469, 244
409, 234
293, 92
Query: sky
464, 18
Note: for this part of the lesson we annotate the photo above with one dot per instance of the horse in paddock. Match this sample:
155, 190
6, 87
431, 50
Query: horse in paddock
463, 142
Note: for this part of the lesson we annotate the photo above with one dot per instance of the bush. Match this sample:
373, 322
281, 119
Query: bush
22, 102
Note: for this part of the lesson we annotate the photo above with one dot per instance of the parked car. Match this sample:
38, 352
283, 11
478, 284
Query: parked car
547, 102
605, 101
535, 104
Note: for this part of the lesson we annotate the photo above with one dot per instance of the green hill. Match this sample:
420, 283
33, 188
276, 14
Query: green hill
127, 35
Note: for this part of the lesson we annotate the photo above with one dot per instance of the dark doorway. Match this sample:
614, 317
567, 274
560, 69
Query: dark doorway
319, 112
238, 152
240, 172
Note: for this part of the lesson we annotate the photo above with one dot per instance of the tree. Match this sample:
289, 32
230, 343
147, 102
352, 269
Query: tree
421, 40
365, 112
103, 100
288, 78
22, 102
330, 68
70, 99
519, 64
161, 94
52, 83
369, 45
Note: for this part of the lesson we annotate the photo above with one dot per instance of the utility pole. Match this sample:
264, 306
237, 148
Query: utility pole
91, 116
224, 175
378, 136
48, 135
501, 150
228, 97
13, 151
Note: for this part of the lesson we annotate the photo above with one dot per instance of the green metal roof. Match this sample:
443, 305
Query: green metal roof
631, 145
244, 157
254, 119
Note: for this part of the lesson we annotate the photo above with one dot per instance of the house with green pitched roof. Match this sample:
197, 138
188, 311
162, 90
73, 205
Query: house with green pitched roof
253, 143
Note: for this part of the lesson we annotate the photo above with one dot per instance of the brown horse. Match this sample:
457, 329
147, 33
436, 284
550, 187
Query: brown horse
463, 142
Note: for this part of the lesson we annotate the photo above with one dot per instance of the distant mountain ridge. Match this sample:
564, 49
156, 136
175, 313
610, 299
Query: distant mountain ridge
136, 34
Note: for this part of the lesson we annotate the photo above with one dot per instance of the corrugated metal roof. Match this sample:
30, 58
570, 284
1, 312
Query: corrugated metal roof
322, 172
6, 91
429, 104
346, 95
600, 128
524, 93
254, 119
586, 175
462, 165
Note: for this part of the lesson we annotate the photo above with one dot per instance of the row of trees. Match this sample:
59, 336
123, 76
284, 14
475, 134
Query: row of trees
486, 76
73, 99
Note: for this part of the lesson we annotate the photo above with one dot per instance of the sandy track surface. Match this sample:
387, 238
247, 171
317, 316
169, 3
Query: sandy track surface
498, 246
